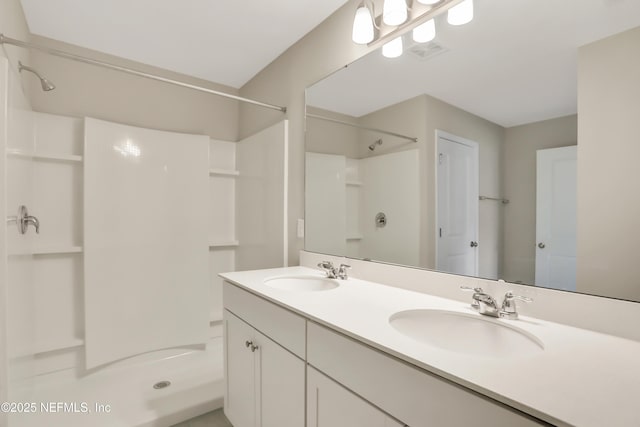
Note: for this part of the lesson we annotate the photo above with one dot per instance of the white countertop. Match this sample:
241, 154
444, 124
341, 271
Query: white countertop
582, 378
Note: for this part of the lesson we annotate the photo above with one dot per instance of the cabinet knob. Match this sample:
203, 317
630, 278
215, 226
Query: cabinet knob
250, 345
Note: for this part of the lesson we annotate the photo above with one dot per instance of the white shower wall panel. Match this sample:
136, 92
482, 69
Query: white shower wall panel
58, 202
220, 260
58, 134
391, 186
222, 209
222, 191
146, 266
17, 281
326, 203
261, 203
58, 301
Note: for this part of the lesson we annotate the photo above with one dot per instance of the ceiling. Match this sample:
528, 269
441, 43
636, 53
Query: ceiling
226, 42
515, 63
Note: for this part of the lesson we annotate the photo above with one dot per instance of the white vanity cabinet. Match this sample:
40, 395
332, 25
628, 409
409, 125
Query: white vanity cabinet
331, 405
280, 366
265, 379
414, 396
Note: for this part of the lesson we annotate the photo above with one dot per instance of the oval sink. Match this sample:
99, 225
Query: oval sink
302, 283
465, 333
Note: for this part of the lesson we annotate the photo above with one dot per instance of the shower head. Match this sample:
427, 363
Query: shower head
373, 146
46, 84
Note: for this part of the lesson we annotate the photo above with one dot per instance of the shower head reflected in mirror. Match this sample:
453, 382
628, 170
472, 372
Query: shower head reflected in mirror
372, 147
46, 84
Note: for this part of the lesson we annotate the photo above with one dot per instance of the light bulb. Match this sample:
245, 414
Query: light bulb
424, 33
461, 13
392, 49
394, 12
362, 26
428, 1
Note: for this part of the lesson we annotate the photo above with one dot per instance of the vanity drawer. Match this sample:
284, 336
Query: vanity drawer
277, 323
414, 396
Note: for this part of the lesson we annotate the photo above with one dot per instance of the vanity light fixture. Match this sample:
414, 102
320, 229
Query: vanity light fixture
461, 13
392, 49
394, 12
426, 32
364, 24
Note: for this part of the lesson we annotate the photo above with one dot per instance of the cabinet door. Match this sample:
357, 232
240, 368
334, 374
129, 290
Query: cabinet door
280, 377
240, 402
331, 405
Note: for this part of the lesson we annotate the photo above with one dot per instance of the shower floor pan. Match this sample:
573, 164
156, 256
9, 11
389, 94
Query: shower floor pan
123, 394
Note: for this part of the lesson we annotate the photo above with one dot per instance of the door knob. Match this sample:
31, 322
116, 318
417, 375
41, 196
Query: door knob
474, 244
541, 245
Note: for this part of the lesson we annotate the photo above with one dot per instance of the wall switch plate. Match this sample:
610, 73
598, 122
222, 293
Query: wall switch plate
300, 231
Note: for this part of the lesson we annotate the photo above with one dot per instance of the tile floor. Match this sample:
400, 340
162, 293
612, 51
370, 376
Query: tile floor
211, 419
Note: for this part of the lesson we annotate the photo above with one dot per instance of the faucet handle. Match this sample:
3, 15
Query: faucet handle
470, 289
342, 271
474, 303
328, 268
510, 295
509, 309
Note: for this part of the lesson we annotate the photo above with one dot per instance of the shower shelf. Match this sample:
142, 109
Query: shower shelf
51, 250
68, 343
227, 244
223, 172
354, 237
354, 183
45, 156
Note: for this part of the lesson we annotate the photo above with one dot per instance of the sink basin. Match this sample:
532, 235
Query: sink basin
302, 283
471, 334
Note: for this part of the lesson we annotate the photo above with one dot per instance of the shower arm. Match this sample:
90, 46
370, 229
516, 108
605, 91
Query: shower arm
8, 40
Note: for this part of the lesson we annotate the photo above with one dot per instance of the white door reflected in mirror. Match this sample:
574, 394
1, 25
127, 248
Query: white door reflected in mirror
556, 218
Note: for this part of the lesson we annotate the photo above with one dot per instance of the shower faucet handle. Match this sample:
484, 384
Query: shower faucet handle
23, 220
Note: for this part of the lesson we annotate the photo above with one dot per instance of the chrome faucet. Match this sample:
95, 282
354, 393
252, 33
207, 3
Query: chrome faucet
333, 272
486, 305
483, 303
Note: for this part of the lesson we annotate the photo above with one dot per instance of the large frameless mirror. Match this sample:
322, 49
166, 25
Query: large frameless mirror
502, 149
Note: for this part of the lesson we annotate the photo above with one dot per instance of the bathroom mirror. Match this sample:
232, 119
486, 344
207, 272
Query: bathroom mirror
496, 150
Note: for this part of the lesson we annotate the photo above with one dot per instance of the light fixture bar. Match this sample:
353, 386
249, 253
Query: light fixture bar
385, 132
414, 21
8, 40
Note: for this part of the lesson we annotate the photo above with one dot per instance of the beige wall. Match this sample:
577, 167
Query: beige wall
88, 90
519, 186
489, 136
14, 25
608, 171
323, 51
332, 138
